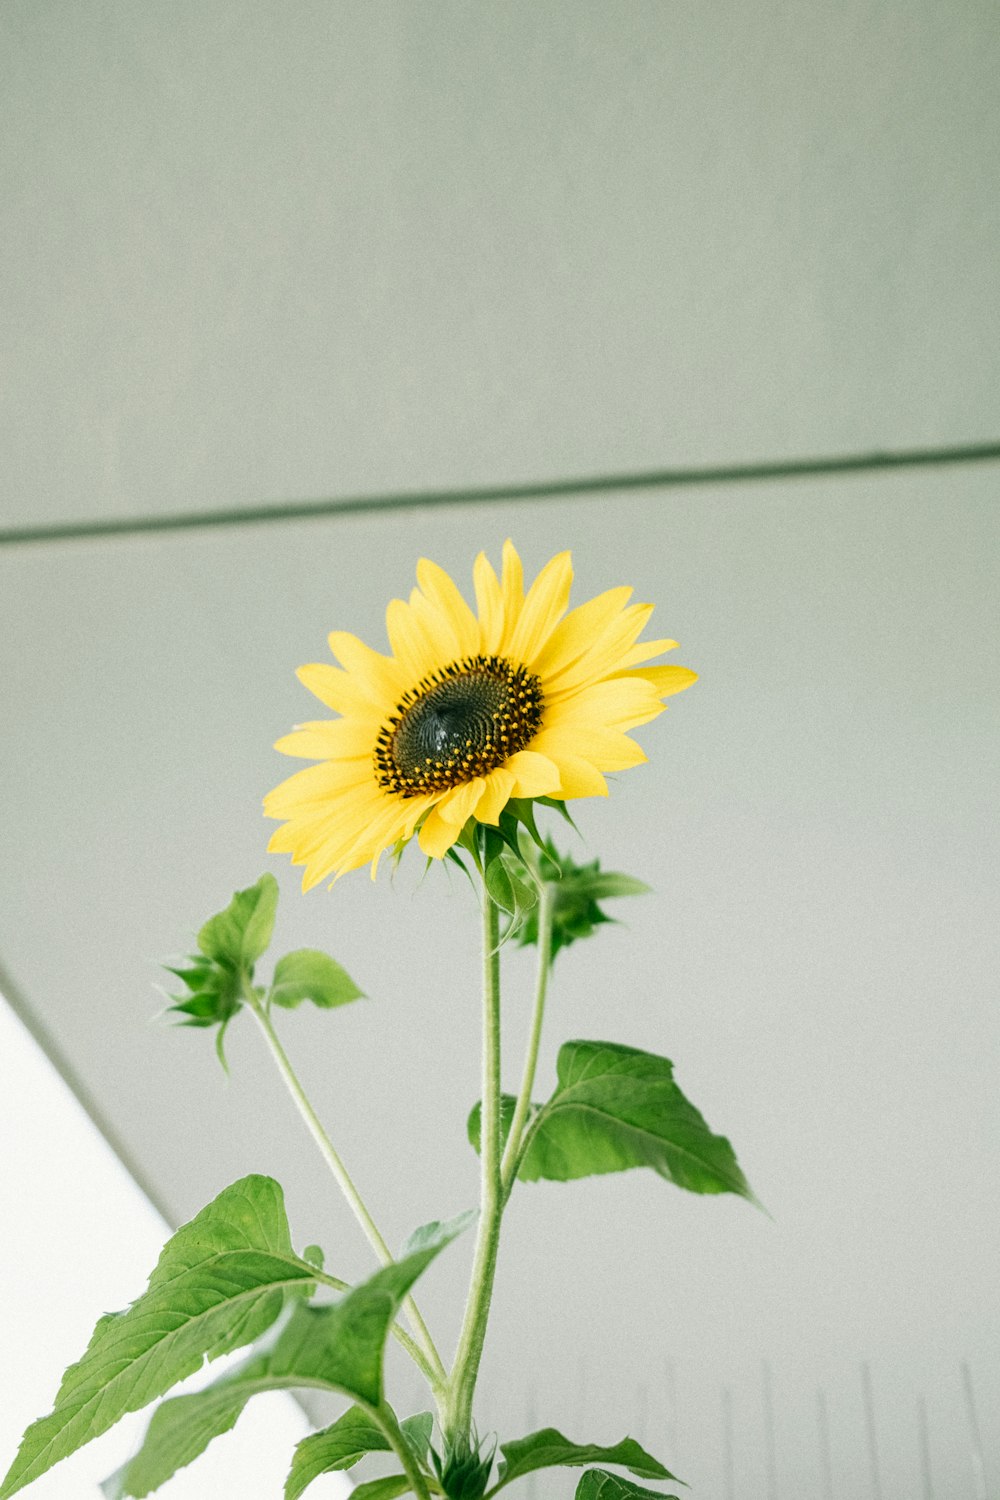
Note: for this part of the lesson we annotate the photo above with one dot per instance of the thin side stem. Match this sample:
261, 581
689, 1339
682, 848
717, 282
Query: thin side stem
343, 1180
399, 1334
546, 902
458, 1404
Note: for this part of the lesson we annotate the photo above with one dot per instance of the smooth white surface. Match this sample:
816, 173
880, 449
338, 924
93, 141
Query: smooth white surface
819, 820
79, 1239
259, 251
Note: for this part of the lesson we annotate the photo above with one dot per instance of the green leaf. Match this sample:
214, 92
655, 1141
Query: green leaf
308, 974
239, 935
417, 1432
344, 1444
221, 1280
598, 1484
548, 1449
429, 1235
182, 1428
615, 1108
508, 1104
382, 1489
340, 1446
339, 1347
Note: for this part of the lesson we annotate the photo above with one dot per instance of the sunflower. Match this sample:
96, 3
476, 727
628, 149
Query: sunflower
521, 700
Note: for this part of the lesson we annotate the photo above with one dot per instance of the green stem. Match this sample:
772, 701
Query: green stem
458, 1399
385, 1418
436, 1368
546, 902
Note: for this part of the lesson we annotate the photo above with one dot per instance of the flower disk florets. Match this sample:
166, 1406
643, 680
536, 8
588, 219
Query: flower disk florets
458, 723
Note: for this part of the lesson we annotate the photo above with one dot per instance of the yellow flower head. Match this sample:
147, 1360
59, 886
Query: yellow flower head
521, 700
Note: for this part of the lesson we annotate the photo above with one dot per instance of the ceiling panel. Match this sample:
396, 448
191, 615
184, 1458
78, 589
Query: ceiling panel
256, 252
819, 820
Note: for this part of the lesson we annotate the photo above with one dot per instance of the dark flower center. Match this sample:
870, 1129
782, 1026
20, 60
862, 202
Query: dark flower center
460, 722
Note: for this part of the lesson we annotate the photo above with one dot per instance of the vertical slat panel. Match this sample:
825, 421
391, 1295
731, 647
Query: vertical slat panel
871, 1430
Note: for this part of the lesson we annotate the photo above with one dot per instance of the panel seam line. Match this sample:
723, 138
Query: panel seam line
648, 479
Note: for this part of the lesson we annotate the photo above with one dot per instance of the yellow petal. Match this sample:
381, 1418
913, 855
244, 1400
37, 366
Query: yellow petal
393, 822
368, 666
436, 836
609, 652
442, 592
643, 650
340, 691
578, 778
578, 631
489, 601
438, 630
410, 644
329, 739
606, 749
457, 806
616, 703
511, 583
534, 775
328, 779
667, 679
543, 608
497, 788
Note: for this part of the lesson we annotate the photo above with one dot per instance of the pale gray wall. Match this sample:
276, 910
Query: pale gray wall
263, 252
318, 247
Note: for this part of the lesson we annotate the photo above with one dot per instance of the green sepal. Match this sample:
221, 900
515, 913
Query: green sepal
548, 1449
521, 810
456, 859
308, 974
508, 883
196, 972
201, 1009
220, 1282
220, 1045
559, 807
509, 890
215, 1001
598, 1484
464, 1468
577, 890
